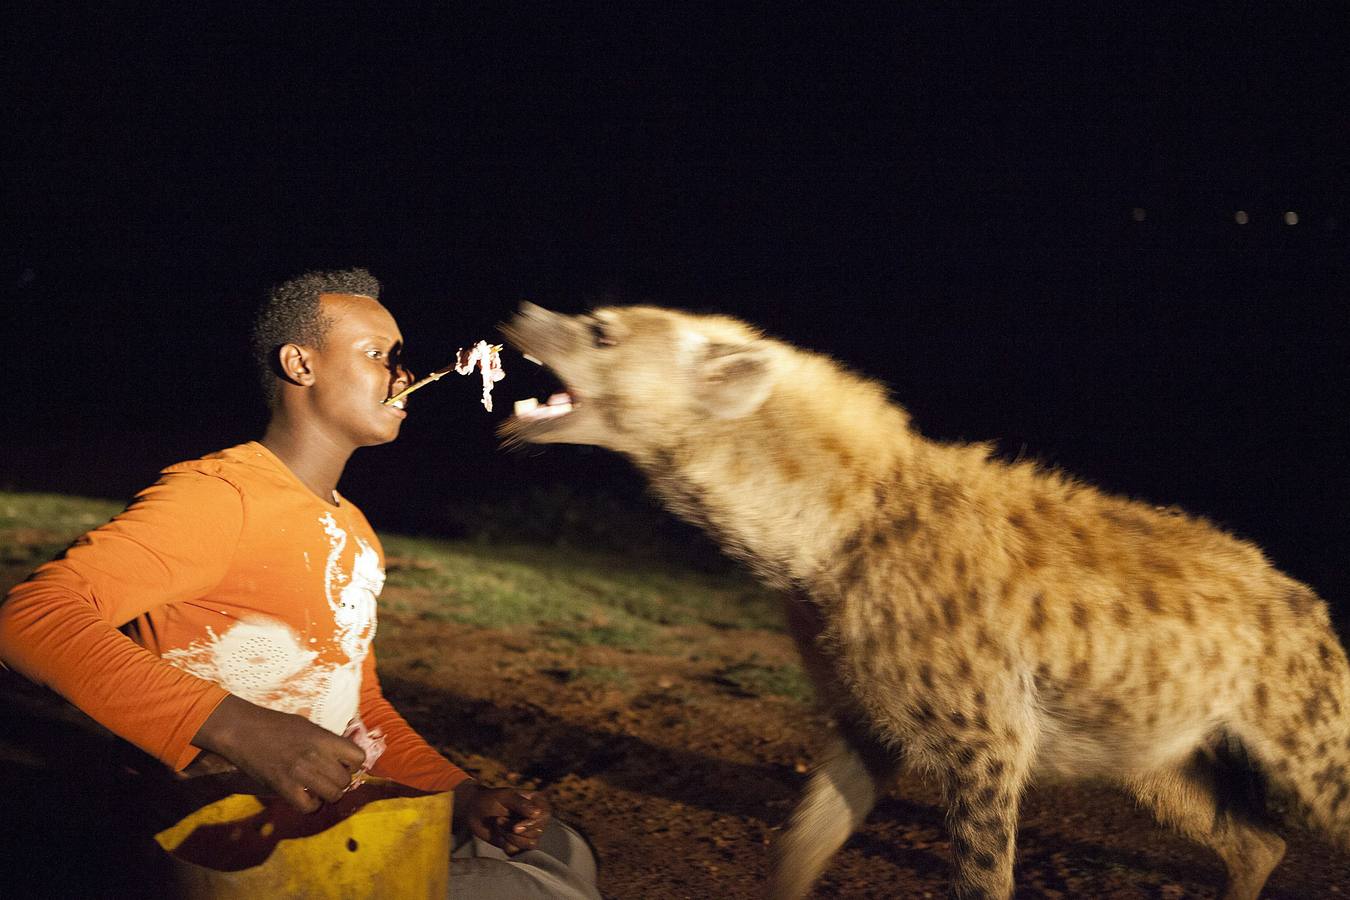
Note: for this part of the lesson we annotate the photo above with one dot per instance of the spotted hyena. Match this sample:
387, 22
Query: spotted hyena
986, 621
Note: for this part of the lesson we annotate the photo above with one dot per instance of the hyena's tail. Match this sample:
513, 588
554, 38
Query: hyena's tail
1298, 726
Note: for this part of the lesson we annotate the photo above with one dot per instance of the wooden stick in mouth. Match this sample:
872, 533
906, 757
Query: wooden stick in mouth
421, 383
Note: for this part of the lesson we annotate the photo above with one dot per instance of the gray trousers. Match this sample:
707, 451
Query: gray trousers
562, 868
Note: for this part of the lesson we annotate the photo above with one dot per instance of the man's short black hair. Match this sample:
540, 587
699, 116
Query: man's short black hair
291, 315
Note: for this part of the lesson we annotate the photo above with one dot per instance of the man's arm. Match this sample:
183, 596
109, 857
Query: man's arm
407, 757
59, 628
174, 543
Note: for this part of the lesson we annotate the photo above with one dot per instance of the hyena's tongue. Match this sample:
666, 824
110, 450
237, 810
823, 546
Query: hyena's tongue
558, 405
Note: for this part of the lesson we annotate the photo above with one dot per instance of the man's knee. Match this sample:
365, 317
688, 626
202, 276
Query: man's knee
562, 868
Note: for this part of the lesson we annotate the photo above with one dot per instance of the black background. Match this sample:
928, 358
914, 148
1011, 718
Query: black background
941, 199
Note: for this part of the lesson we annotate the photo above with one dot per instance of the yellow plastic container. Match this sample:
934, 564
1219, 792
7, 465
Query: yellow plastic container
381, 840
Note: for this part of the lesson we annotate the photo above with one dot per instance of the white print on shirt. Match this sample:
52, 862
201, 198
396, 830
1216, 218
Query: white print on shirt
354, 604
265, 661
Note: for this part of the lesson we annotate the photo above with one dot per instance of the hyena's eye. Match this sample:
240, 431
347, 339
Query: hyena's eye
598, 336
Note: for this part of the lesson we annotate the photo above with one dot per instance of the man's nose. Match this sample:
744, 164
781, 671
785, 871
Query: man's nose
403, 377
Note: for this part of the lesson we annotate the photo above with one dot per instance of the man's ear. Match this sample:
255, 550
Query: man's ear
733, 381
293, 365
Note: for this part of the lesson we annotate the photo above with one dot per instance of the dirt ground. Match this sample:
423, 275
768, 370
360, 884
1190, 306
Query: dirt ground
682, 779
679, 775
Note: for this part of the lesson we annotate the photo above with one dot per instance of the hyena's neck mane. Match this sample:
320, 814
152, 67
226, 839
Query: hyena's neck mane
786, 485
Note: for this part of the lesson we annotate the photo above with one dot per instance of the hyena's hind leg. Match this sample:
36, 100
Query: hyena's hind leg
839, 795
1212, 802
1297, 722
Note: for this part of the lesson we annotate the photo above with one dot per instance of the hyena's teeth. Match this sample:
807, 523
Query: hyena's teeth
557, 405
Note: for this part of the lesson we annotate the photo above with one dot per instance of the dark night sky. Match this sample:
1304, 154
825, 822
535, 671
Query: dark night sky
943, 200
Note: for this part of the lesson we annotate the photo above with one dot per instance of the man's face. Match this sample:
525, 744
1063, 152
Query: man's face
358, 368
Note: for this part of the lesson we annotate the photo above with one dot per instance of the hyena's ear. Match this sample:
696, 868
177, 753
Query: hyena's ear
733, 381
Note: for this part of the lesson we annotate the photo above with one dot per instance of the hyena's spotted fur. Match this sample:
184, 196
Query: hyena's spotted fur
989, 622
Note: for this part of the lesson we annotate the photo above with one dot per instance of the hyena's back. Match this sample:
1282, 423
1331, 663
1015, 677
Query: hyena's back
986, 621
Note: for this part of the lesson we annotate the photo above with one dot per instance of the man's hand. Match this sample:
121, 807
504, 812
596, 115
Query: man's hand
304, 764
504, 817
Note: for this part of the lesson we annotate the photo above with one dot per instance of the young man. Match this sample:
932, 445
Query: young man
245, 586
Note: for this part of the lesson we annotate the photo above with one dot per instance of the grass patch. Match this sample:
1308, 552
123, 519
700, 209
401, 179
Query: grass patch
606, 675
753, 679
610, 675
37, 527
632, 635
55, 512
575, 596
579, 597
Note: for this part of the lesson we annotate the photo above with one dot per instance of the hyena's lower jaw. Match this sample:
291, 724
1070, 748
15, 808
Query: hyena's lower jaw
579, 427
557, 422
531, 410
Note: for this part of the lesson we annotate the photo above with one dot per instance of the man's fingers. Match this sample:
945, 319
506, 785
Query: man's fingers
525, 806
328, 767
515, 836
323, 780
327, 791
516, 843
352, 757
508, 843
480, 831
327, 782
302, 799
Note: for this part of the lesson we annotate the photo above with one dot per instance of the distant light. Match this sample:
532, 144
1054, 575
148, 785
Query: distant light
1291, 218
1139, 214
1241, 217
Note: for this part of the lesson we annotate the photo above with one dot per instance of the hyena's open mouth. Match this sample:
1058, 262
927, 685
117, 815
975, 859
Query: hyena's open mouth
546, 339
531, 417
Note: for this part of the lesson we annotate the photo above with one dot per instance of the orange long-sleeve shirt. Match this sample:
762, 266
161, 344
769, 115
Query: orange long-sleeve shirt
227, 575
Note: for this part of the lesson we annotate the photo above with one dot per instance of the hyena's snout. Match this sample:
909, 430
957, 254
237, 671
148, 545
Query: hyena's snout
557, 343
539, 333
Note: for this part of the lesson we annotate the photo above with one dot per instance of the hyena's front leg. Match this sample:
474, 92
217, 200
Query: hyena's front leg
984, 788
839, 795
844, 788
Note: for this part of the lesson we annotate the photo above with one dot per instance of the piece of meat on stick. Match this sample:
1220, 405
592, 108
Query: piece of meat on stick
489, 361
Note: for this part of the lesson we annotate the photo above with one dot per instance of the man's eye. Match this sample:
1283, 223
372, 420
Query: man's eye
598, 336
375, 354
